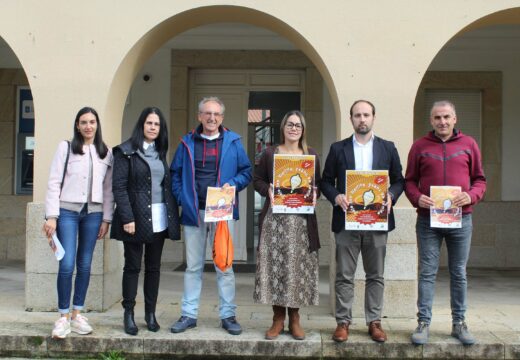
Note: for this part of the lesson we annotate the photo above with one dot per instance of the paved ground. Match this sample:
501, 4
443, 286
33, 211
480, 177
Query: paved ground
493, 315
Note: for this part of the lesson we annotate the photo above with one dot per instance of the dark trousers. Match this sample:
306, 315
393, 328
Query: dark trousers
372, 246
152, 271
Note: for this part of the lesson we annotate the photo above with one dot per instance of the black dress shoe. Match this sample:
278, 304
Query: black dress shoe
130, 326
151, 322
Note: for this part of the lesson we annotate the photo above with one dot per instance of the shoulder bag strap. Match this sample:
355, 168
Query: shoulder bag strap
66, 164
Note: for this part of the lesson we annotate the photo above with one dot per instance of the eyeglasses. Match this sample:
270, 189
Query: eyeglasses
291, 126
209, 114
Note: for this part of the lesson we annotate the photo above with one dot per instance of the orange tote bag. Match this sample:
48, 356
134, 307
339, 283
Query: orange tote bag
223, 246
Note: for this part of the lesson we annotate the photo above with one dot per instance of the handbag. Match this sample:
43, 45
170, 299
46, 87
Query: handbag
223, 246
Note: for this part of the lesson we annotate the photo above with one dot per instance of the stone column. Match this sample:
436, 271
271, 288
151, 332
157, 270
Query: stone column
400, 271
41, 269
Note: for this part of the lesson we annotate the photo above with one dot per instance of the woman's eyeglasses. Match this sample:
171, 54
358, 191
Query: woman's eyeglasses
291, 126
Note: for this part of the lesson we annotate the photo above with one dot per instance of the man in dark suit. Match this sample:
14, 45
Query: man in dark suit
361, 151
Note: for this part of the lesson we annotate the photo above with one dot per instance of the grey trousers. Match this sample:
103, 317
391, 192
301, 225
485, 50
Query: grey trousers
372, 245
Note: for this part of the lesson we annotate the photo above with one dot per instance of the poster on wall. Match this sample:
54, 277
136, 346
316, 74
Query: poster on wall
293, 183
366, 192
443, 214
25, 110
25, 143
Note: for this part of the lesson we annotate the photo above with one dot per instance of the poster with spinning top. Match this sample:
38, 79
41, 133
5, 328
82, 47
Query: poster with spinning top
366, 192
443, 214
219, 204
293, 180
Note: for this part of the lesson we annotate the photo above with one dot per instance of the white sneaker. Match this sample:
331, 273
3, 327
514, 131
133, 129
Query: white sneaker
80, 325
61, 328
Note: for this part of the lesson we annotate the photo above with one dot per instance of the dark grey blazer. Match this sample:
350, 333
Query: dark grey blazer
341, 158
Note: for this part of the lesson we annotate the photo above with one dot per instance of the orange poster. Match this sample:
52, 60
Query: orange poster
443, 214
219, 204
293, 184
366, 194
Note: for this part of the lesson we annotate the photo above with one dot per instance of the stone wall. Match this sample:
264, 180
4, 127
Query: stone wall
12, 207
41, 269
496, 236
400, 269
12, 226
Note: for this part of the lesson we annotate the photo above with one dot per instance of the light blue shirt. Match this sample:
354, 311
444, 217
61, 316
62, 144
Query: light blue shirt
363, 154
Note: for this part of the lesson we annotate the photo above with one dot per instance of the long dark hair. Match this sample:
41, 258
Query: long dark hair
161, 143
78, 141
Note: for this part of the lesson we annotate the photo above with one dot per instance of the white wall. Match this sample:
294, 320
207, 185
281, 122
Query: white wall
494, 49
329, 125
155, 92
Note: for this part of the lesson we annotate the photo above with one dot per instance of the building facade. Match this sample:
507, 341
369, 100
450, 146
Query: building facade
118, 57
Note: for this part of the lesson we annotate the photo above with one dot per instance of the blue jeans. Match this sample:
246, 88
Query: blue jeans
196, 239
77, 233
429, 241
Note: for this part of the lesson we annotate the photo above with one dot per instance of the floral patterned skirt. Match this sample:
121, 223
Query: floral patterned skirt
286, 273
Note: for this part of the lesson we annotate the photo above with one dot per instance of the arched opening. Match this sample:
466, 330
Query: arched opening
206, 52
16, 167
478, 69
143, 50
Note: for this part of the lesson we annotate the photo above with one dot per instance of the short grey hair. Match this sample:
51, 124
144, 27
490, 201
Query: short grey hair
214, 99
442, 103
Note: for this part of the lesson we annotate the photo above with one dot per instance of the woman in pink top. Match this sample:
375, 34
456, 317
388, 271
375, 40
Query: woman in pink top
78, 207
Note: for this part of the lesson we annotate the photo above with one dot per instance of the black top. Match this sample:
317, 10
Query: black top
132, 188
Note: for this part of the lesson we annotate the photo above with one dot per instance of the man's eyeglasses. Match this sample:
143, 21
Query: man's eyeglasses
209, 114
291, 126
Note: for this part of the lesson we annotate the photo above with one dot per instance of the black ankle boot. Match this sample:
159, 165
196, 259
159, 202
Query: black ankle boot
151, 321
130, 326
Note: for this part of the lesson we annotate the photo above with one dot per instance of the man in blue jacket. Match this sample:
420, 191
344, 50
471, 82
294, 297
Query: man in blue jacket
209, 155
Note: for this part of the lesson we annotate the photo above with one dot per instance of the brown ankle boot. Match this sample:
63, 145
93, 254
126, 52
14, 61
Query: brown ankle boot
294, 324
278, 320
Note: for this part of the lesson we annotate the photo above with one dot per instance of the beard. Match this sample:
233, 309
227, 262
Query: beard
363, 130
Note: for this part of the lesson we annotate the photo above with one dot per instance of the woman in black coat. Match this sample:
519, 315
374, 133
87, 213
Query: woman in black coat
146, 212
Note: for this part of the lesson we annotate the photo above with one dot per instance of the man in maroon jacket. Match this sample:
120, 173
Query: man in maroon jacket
444, 157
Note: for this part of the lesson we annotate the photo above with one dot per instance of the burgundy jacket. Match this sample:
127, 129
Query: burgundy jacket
455, 162
264, 176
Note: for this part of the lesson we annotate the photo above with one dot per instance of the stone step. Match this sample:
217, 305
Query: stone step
33, 340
